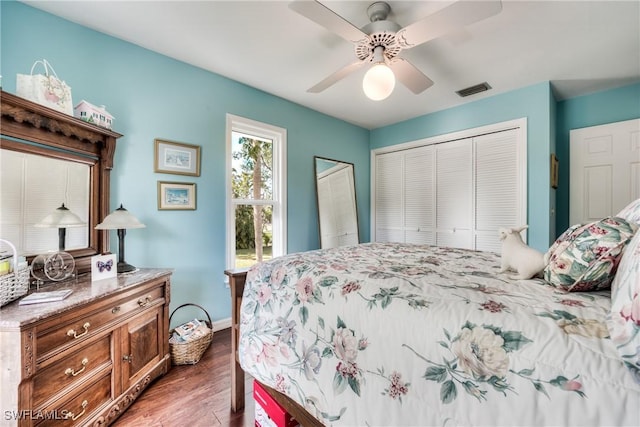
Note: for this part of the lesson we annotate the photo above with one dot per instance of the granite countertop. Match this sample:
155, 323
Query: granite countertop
14, 316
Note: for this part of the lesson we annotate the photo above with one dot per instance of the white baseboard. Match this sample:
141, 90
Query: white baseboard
221, 324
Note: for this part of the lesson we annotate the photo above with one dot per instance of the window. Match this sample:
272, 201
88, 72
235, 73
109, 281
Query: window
256, 192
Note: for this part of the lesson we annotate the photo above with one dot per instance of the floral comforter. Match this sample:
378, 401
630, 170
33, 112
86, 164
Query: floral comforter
396, 334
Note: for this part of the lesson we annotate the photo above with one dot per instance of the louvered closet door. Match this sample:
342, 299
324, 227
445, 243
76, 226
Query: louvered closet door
497, 187
454, 194
389, 200
419, 195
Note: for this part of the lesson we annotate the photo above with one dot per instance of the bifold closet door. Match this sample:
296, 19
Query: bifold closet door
454, 193
497, 187
389, 198
419, 195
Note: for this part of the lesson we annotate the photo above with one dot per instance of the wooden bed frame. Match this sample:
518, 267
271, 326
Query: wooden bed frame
237, 278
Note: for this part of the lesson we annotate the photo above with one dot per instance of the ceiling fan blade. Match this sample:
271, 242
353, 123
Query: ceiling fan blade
409, 75
326, 17
446, 20
336, 77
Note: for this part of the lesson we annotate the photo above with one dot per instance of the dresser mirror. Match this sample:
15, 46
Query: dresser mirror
33, 186
50, 158
336, 201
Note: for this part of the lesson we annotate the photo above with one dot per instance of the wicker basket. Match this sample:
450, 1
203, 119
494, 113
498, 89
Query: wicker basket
190, 352
15, 284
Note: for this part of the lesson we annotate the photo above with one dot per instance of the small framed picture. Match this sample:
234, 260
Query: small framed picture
103, 267
176, 157
554, 171
176, 195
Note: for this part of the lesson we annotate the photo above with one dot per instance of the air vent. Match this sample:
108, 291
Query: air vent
472, 90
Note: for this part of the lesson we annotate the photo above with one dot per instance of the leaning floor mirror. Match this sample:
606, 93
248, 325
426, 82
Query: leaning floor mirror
336, 194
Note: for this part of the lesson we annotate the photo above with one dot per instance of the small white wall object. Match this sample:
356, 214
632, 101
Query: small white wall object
517, 256
92, 114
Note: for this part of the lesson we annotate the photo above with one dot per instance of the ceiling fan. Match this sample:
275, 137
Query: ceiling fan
380, 41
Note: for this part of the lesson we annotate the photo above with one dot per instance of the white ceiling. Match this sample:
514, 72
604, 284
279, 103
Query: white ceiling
580, 46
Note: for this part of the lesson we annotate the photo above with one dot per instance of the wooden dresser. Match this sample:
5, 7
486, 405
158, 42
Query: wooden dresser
85, 359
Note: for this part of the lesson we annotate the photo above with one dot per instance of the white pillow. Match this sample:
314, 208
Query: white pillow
624, 318
631, 212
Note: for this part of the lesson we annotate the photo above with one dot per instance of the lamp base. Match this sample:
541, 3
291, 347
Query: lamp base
123, 267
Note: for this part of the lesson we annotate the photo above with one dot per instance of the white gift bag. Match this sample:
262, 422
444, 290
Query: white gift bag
47, 89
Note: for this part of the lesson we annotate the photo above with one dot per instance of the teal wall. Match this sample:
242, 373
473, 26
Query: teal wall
153, 96
533, 102
609, 106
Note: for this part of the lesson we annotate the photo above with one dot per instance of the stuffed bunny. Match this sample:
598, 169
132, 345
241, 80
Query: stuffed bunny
517, 256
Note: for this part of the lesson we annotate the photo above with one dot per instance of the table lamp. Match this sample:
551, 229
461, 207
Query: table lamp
62, 218
120, 220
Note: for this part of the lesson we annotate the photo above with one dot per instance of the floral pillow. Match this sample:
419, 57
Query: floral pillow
562, 242
585, 258
624, 319
631, 212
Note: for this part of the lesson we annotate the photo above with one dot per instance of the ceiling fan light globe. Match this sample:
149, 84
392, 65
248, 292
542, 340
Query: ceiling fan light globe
378, 82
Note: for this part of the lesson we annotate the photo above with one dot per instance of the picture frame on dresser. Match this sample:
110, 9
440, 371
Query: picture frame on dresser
103, 267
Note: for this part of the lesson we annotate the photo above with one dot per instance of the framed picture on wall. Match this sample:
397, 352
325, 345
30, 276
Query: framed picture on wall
554, 171
176, 195
176, 157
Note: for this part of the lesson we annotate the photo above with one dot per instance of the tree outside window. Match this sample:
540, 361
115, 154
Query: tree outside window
256, 192
252, 173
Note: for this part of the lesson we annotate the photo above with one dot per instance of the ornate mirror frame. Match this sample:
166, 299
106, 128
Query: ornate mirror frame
32, 128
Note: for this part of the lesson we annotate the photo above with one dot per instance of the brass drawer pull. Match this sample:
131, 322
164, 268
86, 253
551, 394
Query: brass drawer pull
70, 371
144, 301
115, 309
75, 417
74, 334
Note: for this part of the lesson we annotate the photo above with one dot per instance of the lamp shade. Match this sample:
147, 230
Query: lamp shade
119, 219
62, 217
378, 82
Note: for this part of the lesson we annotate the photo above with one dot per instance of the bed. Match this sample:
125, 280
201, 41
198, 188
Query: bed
403, 334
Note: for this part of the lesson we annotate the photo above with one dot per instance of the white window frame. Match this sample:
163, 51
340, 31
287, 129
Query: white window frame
279, 202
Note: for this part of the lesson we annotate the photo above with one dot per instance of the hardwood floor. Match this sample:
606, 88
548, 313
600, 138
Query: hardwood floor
193, 395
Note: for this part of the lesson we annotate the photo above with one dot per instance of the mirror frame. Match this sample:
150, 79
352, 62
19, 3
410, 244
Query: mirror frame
315, 179
32, 128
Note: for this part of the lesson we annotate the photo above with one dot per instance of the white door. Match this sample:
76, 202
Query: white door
454, 194
604, 171
389, 203
419, 195
500, 199
337, 207
455, 190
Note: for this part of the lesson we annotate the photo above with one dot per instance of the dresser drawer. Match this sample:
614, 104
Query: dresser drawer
73, 332
77, 366
80, 406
